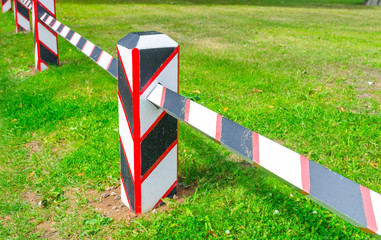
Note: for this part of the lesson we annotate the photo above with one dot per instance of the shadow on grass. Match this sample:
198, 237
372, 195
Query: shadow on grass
215, 170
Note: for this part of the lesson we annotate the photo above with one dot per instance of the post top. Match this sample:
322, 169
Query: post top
147, 40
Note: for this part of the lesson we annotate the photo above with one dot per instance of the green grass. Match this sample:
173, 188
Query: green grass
312, 61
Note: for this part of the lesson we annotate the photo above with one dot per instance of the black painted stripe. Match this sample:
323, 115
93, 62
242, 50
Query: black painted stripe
22, 10
175, 104
127, 178
47, 56
69, 34
126, 95
81, 43
158, 141
45, 18
336, 191
150, 62
52, 22
41, 10
59, 29
96, 53
113, 70
237, 137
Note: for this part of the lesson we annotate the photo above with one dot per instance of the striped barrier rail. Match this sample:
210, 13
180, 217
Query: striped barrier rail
353, 202
102, 58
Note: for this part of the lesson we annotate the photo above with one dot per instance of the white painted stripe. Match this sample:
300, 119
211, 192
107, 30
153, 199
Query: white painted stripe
203, 119
47, 38
43, 16
155, 41
7, 6
126, 58
126, 137
75, 39
104, 60
123, 195
156, 94
49, 4
376, 203
159, 181
35, 55
148, 112
88, 48
44, 66
23, 22
56, 25
26, 4
49, 20
65, 31
281, 161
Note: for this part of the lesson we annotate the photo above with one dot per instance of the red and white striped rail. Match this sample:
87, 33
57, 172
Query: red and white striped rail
351, 201
102, 58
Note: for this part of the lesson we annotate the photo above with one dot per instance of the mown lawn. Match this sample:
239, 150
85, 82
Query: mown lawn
294, 71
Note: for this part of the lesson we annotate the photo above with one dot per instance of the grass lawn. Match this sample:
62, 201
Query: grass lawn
294, 71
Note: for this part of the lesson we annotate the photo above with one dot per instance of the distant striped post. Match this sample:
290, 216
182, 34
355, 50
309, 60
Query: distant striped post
148, 135
6, 5
22, 16
45, 40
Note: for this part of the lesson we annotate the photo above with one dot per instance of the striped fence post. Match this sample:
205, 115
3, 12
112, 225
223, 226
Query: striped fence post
45, 40
6, 5
148, 135
22, 16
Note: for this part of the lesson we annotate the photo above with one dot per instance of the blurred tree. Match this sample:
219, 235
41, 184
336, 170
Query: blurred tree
372, 2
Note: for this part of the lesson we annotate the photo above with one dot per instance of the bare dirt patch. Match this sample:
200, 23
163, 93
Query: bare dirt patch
34, 146
112, 206
31, 197
48, 230
32, 71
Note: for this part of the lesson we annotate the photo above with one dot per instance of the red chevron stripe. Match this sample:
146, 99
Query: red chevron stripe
47, 10
368, 209
164, 65
153, 125
49, 49
158, 161
166, 194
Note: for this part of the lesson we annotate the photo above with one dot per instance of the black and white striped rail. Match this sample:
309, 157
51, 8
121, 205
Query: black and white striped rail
26, 3
102, 58
351, 201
